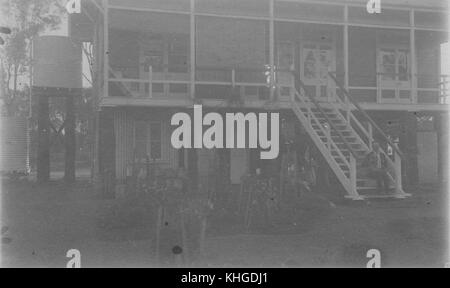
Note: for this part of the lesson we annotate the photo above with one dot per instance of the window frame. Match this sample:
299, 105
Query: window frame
149, 141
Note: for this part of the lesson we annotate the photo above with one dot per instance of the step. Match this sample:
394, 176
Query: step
348, 138
329, 115
343, 145
356, 147
377, 197
371, 188
367, 183
341, 128
387, 196
316, 110
338, 159
334, 120
338, 127
345, 133
343, 167
337, 139
335, 154
359, 152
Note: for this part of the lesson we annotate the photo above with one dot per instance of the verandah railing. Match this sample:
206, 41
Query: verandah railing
444, 89
252, 81
414, 88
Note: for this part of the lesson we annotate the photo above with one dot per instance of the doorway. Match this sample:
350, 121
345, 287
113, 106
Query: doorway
393, 75
317, 59
427, 156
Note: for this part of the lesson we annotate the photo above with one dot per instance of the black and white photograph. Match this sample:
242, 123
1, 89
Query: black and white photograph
226, 134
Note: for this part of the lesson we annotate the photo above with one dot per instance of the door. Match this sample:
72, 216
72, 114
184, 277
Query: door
317, 59
427, 156
394, 79
286, 63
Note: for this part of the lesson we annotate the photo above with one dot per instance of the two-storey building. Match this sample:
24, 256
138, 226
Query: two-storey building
333, 70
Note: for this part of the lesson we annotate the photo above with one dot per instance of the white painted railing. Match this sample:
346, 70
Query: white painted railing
349, 105
346, 170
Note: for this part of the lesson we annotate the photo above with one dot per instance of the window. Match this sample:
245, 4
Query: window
165, 54
148, 140
309, 63
153, 54
394, 64
402, 58
286, 59
388, 64
155, 141
140, 139
286, 55
178, 55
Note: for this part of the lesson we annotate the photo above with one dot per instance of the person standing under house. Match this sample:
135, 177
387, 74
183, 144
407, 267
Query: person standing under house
375, 167
309, 168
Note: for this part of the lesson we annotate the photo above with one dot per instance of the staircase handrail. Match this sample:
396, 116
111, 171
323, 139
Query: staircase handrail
366, 116
332, 143
300, 83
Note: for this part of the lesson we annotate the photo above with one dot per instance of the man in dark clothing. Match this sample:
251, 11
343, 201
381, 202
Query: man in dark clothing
375, 165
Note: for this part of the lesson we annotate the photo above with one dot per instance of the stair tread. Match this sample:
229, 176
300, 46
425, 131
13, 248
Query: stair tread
345, 141
382, 196
337, 142
331, 118
387, 196
338, 137
343, 130
347, 151
333, 133
371, 188
342, 143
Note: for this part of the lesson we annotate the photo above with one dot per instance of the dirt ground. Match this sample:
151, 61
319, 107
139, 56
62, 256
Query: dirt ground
326, 231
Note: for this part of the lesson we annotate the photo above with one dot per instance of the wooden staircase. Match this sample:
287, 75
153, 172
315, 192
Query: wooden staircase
344, 141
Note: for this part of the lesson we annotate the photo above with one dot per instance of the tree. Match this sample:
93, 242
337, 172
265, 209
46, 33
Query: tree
27, 19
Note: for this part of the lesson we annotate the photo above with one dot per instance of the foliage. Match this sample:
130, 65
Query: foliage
27, 19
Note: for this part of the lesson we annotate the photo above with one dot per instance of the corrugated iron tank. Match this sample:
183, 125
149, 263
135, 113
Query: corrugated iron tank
57, 62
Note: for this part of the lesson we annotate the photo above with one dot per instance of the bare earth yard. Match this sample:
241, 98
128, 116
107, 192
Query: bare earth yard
45, 222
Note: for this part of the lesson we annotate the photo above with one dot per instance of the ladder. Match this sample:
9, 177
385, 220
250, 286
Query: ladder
344, 141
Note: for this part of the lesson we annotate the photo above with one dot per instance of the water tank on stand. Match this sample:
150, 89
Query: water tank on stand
57, 72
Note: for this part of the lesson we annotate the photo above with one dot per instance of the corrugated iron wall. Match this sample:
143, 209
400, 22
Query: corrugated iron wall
123, 142
14, 144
